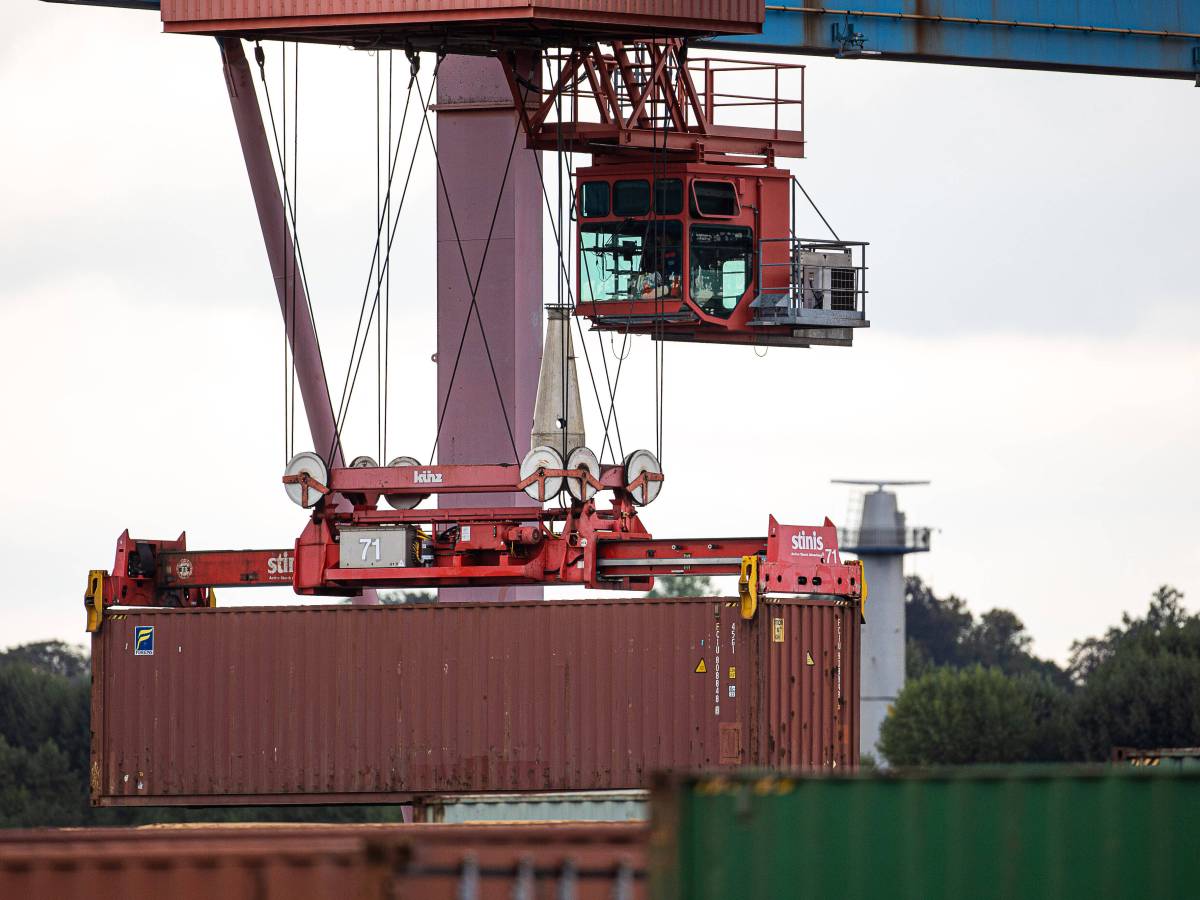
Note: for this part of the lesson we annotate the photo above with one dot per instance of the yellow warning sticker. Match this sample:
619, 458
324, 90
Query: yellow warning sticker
777, 631
732, 673
701, 668
808, 658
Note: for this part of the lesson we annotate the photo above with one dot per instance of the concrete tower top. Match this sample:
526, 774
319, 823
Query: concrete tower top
881, 529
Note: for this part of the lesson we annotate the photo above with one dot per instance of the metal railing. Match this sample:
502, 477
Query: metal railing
899, 540
634, 87
822, 282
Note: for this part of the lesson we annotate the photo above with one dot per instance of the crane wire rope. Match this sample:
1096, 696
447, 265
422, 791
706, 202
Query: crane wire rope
358, 351
289, 308
625, 331
659, 168
387, 325
557, 229
378, 269
610, 418
295, 211
289, 333
280, 156
473, 308
561, 277
383, 271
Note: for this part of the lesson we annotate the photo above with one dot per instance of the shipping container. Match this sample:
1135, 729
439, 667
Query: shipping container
1021, 833
580, 806
1165, 757
457, 24
333, 862
353, 704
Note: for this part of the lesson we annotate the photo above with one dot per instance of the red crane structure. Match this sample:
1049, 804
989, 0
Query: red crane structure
351, 543
684, 230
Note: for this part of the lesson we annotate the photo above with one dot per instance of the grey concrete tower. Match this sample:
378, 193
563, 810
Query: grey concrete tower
881, 539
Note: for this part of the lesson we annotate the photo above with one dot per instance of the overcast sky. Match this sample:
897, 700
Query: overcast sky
1034, 349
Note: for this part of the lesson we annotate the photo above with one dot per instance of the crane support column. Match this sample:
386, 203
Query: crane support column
281, 251
487, 403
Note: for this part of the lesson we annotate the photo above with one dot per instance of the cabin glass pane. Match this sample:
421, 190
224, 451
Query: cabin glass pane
722, 263
631, 260
714, 198
668, 196
631, 198
595, 199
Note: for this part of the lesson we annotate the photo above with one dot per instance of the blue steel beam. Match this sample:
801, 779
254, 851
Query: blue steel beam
1155, 38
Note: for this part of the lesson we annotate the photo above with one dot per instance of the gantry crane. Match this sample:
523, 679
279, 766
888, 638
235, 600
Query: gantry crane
663, 168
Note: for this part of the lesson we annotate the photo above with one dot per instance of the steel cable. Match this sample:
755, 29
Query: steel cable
474, 288
352, 368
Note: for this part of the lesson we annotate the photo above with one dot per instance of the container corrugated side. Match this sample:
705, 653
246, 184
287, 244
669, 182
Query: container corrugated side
376, 704
336, 862
514, 17
1019, 833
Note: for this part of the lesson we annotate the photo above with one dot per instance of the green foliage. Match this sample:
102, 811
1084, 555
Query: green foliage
40, 786
683, 586
1166, 612
1141, 683
399, 598
974, 715
37, 708
934, 626
943, 632
50, 658
976, 693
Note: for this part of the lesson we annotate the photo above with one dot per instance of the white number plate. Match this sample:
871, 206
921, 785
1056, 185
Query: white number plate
375, 548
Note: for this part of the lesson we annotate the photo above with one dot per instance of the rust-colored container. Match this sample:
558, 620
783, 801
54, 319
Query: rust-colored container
329, 862
475, 25
379, 704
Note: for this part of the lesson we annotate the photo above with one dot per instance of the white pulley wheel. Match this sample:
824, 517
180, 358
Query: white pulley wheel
542, 458
585, 459
637, 464
364, 462
403, 501
314, 467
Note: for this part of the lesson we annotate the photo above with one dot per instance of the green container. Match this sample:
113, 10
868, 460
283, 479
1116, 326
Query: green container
1024, 834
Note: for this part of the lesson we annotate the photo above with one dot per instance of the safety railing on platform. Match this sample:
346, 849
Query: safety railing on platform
811, 282
896, 540
742, 107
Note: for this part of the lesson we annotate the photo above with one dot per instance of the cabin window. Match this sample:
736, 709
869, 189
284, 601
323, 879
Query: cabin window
722, 263
631, 198
595, 199
714, 198
668, 196
631, 260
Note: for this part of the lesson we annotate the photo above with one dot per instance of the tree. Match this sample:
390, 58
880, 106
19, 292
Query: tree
1166, 612
1141, 682
683, 586
935, 626
976, 715
945, 633
39, 787
400, 598
50, 657
36, 708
